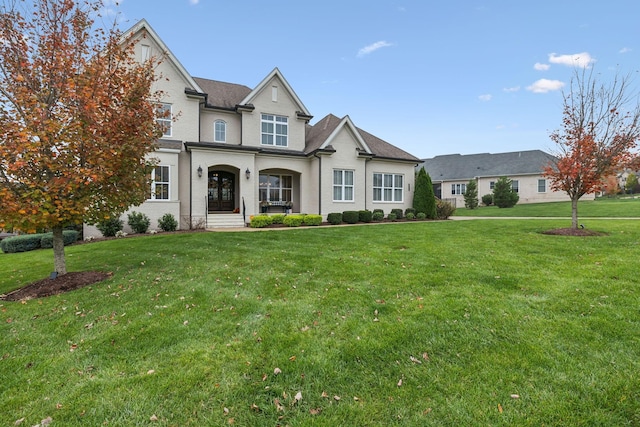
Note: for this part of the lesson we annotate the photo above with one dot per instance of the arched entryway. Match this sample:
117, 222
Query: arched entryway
221, 191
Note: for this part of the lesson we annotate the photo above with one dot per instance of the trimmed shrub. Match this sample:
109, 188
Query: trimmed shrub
409, 211
444, 209
22, 243
487, 199
421, 216
350, 217
109, 227
378, 215
68, 237
504, 196
138, 222
334, 218
293, 220
260, 221
312, 219
392, 216
410, 216
277, 218
379, 210
398, 213
168, 222
365, 215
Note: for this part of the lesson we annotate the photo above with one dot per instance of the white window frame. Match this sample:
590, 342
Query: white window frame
344, 185
281, 192
515, 185
458, 189
542, 183
220, 135
166, 120
388, 187
156, 183
274, 130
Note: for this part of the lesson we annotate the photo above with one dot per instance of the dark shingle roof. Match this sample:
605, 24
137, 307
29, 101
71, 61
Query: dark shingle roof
221, 94
464, 167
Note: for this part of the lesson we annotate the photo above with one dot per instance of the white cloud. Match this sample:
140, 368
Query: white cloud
545, 85
582, 60
541, 67
485, 97
625, 50
372, 48
511, 89
194, 1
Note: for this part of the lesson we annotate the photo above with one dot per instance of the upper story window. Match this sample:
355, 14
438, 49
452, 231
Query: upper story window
388, 187
342, 185
220, 131
274, 130
542, 186
160, 183
163, 117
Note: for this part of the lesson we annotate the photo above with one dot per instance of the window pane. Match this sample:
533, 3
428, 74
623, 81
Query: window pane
337, 192
398, 181
337, 177
377, 194
348, 177
388, 180
398, 195
348, 193
377, 180
387, 195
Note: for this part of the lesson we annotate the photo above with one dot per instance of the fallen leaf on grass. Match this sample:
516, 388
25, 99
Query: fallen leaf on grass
46, 421
255, 407
324, 394
279, 407
400, 383
277, 371
153, 418
18, 422
515, 396
292, 358
315, 411
297, 398
499, 408
336, 398
414, 360
225, 411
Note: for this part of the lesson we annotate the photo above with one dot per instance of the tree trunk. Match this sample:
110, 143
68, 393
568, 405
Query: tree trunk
58, 252
574, 212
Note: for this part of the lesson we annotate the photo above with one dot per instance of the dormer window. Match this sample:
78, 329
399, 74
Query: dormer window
220, 131
275, 130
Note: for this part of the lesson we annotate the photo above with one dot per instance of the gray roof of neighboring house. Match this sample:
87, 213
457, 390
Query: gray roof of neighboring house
229, 95
453, 167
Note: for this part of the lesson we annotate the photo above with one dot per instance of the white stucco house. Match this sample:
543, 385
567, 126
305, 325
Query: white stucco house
451, 173
231, 149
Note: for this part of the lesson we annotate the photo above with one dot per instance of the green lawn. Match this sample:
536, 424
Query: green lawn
453, 323
599, 208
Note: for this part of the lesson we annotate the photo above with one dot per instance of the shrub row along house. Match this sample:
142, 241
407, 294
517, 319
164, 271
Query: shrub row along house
451, 173
232, 151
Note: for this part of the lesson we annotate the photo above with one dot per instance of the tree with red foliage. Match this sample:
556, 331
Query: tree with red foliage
597, 137
77, 118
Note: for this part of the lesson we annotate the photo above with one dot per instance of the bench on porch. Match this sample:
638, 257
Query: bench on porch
280, 205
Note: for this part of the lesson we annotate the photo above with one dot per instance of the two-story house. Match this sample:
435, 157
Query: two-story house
231, 150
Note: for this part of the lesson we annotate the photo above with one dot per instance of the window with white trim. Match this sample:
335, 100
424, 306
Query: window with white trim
343, 188
274, 130
275, 188
163, 118
220, 131
160, 183
388, 187
542, 186
458, 189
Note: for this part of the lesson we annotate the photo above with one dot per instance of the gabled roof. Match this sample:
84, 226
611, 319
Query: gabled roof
143, 25
321, 135
221, 94
275, 73
453, 167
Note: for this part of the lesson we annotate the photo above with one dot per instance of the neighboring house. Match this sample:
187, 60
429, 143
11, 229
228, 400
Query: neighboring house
232, 149
451, 173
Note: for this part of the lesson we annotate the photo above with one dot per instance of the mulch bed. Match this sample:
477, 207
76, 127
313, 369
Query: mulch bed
59, 285
580, 232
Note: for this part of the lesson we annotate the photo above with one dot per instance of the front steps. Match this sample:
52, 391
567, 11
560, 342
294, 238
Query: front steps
225, 221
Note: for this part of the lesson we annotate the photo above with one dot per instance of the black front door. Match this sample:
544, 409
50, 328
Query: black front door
221, 186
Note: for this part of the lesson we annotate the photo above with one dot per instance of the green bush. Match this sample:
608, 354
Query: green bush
378, 215
277, 218
410, 216
334, 218
293, 220
312, 219
350, 217
260, 221
421, 216
138, 222
168, 223
109, 227
68, 236
22, 243
409, 211
398, 213
444, 209
365, 215
487, 199
392, 216
504, 196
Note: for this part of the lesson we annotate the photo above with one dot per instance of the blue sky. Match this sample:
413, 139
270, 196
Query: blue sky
432, 77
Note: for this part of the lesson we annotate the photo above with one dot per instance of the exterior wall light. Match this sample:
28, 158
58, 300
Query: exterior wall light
247, 173
199, 171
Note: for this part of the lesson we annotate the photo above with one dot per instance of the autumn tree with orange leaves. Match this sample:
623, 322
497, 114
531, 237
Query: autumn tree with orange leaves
77, 118
600, 129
